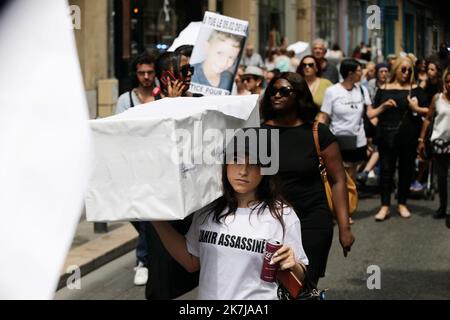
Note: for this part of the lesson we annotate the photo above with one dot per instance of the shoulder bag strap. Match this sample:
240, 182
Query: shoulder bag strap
322, 167
131, 99
364, 115
316, 140
363, 96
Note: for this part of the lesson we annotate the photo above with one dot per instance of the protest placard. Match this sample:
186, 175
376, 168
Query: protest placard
217, 53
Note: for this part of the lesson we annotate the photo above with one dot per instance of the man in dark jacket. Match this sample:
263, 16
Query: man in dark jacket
329, 69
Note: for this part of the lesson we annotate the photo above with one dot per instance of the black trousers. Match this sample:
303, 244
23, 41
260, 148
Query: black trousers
168, 279
405, 153
317, 245
442, 169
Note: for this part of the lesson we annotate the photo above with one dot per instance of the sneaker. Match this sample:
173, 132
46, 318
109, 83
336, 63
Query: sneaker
447, 220
416, 186
141, 275
372, 179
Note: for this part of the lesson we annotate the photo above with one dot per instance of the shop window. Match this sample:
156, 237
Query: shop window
271, 13
355, 25
326, 20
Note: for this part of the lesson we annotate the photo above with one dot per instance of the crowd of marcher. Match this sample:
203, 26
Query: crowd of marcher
384, 121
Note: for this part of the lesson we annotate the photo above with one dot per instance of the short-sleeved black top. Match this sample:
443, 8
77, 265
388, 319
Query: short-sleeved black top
401, 115
299, 172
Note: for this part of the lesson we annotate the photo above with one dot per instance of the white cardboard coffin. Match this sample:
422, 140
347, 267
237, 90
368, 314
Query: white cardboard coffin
141, 168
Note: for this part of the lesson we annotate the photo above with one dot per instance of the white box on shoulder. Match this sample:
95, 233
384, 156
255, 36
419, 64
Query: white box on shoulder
159, 161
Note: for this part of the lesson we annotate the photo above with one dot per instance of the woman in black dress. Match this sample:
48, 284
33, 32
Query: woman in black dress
398, 106
288, 106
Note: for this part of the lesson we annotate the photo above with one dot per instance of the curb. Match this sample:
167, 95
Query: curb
98, 252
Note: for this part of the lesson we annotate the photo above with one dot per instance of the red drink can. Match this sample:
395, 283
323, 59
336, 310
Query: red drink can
269, 271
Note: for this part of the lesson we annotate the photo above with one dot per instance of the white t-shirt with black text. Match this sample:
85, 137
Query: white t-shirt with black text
345, 109
231, 253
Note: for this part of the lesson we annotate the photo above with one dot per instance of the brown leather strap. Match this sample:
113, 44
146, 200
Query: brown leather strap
316, 141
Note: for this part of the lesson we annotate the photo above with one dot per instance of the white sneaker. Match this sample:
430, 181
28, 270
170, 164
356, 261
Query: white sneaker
141, 275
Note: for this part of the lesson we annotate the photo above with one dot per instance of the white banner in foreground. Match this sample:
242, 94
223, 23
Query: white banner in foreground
44, 146
158, 161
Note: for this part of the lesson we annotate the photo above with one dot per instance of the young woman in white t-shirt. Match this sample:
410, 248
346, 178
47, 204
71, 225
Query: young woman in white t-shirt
226, 240
439, 115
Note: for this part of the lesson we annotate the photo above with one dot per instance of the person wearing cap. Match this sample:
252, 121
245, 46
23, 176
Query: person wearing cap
253, 79
239, 88
227, 238
382, 73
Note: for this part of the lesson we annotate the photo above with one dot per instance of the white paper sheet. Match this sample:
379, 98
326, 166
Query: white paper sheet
187, 36
44, 146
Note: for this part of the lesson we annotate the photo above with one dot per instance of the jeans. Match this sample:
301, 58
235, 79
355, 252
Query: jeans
142, 253
405, 154
442, 169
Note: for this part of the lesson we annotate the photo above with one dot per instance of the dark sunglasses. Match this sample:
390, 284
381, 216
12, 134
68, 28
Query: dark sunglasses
284, 91
404, 69
184, 70
310, 65
246, 78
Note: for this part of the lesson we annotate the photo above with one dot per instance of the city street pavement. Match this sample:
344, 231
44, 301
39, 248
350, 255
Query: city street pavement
413, 256
111, 282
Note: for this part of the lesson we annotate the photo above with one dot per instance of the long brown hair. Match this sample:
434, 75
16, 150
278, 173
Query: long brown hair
268, 196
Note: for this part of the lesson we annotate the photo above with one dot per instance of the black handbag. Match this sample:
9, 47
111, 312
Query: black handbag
441, 146
347, 142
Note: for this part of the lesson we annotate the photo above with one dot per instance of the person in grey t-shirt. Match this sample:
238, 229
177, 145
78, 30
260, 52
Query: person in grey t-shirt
144, 67
329, 69
252, 58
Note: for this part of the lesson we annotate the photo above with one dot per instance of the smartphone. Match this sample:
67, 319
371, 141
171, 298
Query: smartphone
165, 75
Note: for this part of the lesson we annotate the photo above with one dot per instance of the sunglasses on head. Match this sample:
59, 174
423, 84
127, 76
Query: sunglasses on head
310, 65
284, 91
184, 70
405, 69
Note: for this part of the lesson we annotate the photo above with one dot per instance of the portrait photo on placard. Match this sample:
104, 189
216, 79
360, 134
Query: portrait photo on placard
215, 59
